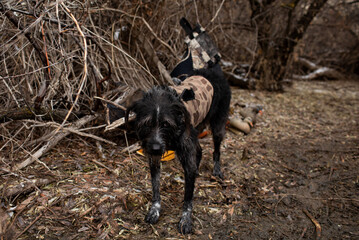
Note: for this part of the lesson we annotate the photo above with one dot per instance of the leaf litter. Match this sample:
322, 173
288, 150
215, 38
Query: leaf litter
299, 174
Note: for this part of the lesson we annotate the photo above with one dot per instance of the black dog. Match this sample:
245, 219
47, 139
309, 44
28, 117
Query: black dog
163, 123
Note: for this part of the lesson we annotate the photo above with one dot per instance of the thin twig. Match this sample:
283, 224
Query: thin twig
100, 150
124, 53
11, 92
104, 166
146, 24
318, 228
215, 15
303, 233
32, 223
84, 74
89, 135
111, 102
41, 94
57, 136
94, 206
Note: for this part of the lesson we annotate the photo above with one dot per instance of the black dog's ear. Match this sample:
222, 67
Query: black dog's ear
187, 27
187, 120
131, 103
127, 113
134, 97
184, 117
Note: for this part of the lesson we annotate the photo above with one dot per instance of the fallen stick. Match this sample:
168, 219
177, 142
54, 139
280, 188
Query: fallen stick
89, 135
132, 148
292, 169
96, 205
318, 228
25, 187
100, 151
152, 53
104, 166
240, 81
56, 115
78, 132
111, 102
53, 141
310, 65
303, 233
32, 223
240, 125
208, 185
119, 122
317, 71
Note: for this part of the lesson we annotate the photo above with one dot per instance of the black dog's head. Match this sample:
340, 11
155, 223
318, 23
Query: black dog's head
161, 119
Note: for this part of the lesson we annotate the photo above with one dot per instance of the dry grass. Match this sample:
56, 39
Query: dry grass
57, 56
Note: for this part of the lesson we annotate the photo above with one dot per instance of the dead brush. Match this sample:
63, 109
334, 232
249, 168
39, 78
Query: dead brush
58, 59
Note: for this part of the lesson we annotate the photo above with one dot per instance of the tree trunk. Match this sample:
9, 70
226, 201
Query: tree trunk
278, 34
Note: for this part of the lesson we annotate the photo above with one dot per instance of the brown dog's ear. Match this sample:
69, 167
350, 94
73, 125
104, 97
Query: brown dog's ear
130, 103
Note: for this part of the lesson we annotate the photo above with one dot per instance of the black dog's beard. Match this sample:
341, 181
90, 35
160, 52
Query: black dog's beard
155, 145
155, 140
154, 160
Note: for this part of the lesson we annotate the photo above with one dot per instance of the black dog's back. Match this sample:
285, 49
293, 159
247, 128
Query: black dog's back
218, 113
222, 93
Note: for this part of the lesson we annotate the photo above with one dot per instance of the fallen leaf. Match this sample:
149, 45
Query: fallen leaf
24, 203
230, 211
4, 220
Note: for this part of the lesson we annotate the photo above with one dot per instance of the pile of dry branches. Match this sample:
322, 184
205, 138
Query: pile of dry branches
58, 56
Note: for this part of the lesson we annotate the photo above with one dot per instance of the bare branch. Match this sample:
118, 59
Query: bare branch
53, 141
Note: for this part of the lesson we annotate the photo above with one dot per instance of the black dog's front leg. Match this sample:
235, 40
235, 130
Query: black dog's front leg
154, 212
189, 164
185, 224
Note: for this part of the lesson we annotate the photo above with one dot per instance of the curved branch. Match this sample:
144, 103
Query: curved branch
84, 76
41, 94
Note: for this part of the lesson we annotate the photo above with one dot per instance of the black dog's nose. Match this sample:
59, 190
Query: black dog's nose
156, 147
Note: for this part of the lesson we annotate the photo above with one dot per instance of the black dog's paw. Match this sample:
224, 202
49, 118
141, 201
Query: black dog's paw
152, 215
185, 224
217, 173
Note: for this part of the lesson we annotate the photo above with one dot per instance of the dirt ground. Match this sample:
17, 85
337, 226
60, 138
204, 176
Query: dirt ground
297, 168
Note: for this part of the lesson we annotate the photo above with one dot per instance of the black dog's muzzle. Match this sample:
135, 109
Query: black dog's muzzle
155, 147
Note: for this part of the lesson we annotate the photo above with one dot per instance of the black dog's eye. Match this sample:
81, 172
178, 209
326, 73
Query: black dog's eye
165, 124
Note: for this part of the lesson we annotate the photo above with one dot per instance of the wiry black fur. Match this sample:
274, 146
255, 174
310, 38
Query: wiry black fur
163, 123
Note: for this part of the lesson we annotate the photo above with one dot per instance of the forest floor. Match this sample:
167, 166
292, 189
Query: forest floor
295, 176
